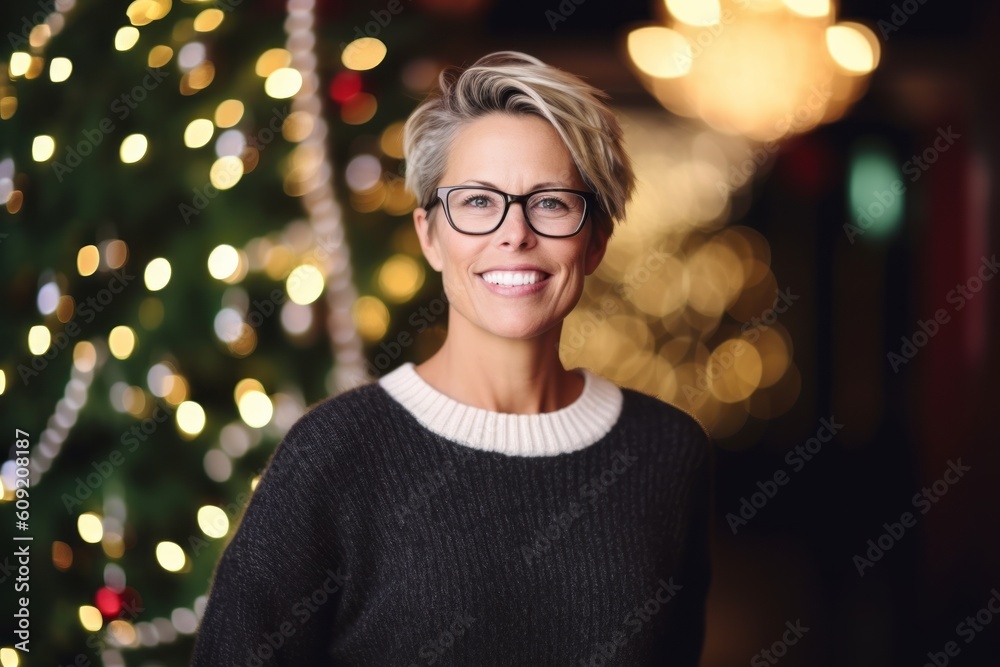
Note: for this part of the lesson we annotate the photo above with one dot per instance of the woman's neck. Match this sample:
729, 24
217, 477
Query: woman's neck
526, 385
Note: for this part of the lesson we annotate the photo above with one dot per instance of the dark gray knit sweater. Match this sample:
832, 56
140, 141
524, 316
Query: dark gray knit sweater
374, 539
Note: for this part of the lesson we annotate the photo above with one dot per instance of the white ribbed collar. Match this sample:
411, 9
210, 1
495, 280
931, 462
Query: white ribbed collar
582, 423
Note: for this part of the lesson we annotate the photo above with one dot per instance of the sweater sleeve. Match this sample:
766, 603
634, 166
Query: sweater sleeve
683, 644
277, 584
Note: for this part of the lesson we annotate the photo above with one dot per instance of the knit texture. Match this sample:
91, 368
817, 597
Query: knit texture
373, 540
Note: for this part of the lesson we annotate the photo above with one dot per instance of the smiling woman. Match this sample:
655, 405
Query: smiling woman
488, 506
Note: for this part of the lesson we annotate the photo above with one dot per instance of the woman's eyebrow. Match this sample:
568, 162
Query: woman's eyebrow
536, 186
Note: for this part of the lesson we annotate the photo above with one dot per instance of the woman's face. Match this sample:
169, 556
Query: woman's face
515, 154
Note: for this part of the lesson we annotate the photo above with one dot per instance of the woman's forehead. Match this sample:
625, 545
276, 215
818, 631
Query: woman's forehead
499, 148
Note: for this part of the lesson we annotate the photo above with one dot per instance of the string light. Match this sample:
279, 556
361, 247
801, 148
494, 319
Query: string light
322, 207
61, 421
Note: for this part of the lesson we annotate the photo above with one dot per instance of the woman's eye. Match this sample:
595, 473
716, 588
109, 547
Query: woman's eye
477, 202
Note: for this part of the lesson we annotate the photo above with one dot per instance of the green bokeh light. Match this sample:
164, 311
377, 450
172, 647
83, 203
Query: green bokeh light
876, 189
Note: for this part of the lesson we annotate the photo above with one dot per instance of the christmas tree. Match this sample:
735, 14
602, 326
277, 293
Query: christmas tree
179, 276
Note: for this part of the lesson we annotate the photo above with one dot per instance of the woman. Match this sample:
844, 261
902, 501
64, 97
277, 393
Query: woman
487, 506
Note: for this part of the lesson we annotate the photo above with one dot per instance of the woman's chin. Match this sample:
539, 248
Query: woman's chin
518, 328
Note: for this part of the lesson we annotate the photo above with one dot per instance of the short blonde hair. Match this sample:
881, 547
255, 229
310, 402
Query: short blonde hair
516, 83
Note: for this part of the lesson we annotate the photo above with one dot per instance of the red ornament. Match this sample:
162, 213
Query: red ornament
108, 602
344, 86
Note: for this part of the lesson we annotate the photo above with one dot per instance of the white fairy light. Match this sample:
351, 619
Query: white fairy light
321, 206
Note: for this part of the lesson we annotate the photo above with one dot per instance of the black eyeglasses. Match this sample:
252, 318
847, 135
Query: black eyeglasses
477, 209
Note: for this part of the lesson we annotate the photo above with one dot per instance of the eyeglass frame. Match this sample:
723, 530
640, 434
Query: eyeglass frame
441, 195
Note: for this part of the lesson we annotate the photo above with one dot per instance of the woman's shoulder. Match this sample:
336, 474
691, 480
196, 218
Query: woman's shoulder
335, 423
679, 424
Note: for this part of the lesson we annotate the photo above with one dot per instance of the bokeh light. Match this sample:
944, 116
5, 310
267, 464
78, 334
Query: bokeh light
121, 342
255, 408
157, 274
190, 418
213, 521
283, 83
39, 339
228, 113
133, 148
198, 133
126, 38
170, 556
223, 262
304, 284
90, 527
60, 69
42, 148
363, 53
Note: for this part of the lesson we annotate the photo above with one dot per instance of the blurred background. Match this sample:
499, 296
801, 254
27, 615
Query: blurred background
204, 231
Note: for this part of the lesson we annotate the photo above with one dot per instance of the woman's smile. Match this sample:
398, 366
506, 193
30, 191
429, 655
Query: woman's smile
514, 283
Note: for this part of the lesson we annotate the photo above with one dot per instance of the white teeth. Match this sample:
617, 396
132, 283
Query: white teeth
509, 278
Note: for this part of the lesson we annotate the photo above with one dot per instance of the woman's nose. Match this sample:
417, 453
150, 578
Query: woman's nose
515, 227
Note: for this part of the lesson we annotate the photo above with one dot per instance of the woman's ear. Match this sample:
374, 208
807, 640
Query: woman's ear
424, 226
596, 247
